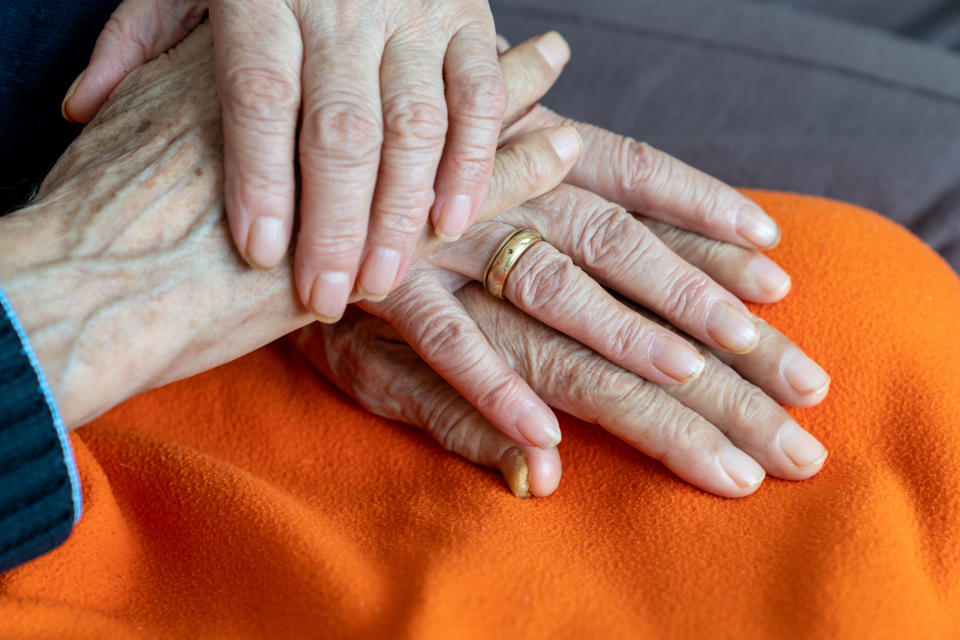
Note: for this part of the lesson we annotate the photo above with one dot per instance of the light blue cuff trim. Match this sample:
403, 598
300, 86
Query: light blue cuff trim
68, 460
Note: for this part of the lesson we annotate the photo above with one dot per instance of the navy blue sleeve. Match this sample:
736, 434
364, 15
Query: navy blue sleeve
40, 497
44, 46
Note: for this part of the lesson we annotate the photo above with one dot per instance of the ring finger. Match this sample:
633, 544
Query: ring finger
546, 284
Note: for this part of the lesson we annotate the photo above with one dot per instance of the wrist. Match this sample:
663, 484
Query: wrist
68, 305
121, 296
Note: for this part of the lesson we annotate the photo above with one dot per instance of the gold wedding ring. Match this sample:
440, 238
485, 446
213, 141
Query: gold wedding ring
505, 257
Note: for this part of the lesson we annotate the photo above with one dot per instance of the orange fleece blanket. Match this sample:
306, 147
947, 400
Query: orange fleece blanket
255, 501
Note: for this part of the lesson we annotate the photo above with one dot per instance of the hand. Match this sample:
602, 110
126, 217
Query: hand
401, 106
590, 244
612, 249
719, 432
122, 272
602, 238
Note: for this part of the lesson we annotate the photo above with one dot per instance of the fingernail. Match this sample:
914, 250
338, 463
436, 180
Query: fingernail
454, 218
742, 469
554, 49
566, 142
379, 273
769, 276
66, 98
328, 298
539, 426
756, 227
676, 359
513, 466
802, 448
733, 329
804, 375
266, 242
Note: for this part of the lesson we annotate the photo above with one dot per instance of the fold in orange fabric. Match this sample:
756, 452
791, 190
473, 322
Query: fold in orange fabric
255, 501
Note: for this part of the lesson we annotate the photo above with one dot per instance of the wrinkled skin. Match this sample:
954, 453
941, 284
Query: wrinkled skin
400, 103
722, 431
124, 277
122, 271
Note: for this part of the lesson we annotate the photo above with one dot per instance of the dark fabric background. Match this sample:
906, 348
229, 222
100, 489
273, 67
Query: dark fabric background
44, 44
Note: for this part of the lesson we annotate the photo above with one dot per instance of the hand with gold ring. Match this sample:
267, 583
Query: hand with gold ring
681, 278
722, 432
506, 257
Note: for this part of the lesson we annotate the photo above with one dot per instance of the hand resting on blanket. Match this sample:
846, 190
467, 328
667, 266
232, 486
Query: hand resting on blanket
122, 271
721, 431
124, 278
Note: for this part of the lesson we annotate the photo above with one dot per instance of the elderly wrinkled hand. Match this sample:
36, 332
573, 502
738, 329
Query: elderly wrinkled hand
722, 432
400, 104
122, 271
379, 83
595, 245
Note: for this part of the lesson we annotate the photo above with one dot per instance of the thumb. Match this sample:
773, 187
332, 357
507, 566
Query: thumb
137, 32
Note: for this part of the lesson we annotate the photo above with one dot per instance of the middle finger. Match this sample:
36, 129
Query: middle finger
339, 155
415, 125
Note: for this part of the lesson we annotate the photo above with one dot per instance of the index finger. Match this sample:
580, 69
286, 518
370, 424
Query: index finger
645, 180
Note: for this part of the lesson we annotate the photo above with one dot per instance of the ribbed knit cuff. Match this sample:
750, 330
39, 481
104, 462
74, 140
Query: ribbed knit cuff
39, 486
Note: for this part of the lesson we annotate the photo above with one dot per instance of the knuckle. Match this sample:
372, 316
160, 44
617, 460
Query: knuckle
471, 161
624, 340
596, 387
685, 291
342, 130
410, 121
256, 94
442, 419
541, 283
406, 224
439, 337
497, 392
746, 403
448, 426
479, 96
642, 168
707, 210
339, 241
618, 388
612, 241
684, 432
